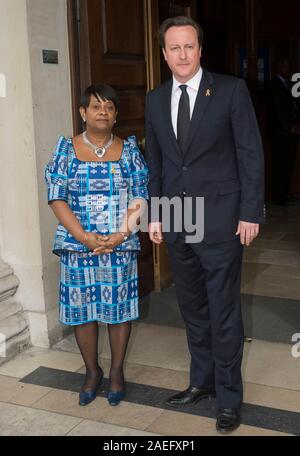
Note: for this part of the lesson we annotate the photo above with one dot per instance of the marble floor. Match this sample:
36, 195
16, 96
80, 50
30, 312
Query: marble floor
36, 398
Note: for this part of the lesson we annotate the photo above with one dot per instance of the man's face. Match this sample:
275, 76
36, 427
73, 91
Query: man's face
182, 51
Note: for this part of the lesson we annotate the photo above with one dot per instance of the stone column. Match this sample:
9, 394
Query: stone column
14, 330
34, 110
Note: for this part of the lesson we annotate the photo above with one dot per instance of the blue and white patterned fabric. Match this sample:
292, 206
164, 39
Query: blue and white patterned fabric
97, 192
97, 287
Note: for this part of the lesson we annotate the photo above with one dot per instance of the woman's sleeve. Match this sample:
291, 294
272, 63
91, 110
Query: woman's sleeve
139, 174
56, 172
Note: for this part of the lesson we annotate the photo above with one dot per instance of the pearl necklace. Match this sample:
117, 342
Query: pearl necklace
99, 151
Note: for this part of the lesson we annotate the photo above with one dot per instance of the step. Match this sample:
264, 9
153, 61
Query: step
8, 283
265, 318
9, 307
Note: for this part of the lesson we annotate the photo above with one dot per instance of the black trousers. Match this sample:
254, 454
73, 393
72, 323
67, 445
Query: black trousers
207, 280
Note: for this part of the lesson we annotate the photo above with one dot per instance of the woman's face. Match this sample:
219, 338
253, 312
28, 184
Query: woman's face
100, 116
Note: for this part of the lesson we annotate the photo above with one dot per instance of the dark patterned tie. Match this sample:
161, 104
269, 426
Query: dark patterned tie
183, 119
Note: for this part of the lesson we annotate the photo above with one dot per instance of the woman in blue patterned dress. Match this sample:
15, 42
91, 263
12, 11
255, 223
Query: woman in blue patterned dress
97, 183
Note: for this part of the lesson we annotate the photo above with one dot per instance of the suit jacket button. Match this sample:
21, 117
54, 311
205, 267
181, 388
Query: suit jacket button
184, 168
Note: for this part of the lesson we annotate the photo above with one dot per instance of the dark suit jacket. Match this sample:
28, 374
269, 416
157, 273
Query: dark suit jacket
223, 158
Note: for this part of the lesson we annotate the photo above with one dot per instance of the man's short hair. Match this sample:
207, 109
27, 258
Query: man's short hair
179, 21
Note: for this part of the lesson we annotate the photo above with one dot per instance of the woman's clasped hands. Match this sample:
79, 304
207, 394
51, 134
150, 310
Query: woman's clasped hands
99, 244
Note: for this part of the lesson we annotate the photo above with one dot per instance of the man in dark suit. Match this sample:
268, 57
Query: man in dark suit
283, 120
202, 140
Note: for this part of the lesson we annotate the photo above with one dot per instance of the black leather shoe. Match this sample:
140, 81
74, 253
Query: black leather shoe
228, 419
190, 396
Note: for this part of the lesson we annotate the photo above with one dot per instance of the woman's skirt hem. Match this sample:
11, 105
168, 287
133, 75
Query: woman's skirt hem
99, 321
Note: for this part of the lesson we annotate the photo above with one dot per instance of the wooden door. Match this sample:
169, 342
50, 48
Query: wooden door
113, 48
115, 42
168, 8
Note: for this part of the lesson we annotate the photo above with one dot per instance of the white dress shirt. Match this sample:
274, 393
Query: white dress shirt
192, 90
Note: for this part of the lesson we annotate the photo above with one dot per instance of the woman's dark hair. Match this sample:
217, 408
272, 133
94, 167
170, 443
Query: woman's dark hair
179, 21
103, 91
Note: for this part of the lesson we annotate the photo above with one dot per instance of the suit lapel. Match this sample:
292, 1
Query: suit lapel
166, 109
204, 96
